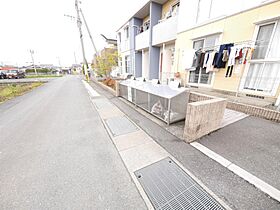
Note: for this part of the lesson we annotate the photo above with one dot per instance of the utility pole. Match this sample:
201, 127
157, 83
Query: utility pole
79, 24
32, 53
75, 58
94, 47
58, 59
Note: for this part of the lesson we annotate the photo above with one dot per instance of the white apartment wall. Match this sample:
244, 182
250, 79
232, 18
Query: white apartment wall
122, 56
189, 10
124, 45
145, 64
167, 67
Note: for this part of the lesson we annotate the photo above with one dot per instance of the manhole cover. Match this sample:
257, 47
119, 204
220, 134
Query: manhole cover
120, 125
169, 187
102, 103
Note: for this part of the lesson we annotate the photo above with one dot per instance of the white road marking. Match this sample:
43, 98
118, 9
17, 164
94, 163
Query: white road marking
260, 184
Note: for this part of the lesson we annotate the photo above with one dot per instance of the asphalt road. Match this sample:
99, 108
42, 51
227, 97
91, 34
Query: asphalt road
56, 154
253, 144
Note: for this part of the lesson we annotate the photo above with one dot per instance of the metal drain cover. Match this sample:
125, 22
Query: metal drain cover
102, 103
169, 187
120, 125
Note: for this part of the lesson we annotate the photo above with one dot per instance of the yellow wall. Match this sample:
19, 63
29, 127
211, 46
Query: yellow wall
167, 6
235, 28
146, 19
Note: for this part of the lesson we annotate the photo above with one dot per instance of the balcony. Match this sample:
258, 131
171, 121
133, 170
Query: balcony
142, 40
165, 31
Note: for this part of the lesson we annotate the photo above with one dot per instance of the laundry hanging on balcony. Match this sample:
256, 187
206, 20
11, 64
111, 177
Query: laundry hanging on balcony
229, 56
238, 57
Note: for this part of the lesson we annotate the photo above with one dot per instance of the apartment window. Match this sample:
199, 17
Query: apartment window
126, 32
264, 70
199, 76
204, 10
175, 6
175, 9
208, 9
146, 25
127, 64
120, 37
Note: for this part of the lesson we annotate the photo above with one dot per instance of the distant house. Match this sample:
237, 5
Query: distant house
6, 68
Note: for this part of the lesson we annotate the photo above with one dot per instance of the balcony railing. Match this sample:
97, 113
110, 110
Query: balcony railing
165, 31
142, 40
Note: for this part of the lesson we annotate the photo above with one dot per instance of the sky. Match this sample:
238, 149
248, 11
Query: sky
40, 25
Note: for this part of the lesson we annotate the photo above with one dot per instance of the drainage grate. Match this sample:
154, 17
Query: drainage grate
169, 187
120, 125
102, 103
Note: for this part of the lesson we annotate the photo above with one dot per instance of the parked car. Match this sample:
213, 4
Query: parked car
15, 74
3, 74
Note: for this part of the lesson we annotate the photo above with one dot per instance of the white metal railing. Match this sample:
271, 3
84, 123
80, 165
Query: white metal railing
142, 40
165, 31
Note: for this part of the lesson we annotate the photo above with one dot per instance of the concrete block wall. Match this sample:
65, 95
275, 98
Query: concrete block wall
264, 113
203, 117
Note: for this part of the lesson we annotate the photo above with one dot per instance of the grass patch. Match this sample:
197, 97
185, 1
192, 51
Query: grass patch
9, 91
42, 76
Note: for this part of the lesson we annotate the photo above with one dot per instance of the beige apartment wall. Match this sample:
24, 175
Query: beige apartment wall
236, 28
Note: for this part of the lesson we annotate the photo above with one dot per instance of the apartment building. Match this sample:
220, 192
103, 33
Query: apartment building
253, 24
157, 40
147, 41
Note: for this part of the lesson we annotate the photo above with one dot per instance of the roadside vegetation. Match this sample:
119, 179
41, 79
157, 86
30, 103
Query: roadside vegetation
39, 71
9, 91
103, 65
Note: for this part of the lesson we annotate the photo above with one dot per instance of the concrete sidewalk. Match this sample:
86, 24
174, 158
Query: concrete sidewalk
232, 189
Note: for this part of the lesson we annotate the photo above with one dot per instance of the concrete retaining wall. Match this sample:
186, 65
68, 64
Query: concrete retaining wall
203, 117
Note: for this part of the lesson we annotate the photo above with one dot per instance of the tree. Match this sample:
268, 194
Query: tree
104, 62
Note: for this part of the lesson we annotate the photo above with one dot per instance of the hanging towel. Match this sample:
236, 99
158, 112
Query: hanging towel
211, 60
206, 58
201, 60
245, 52
196, 59
232, 56
188, 57
225, 55
250, 54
